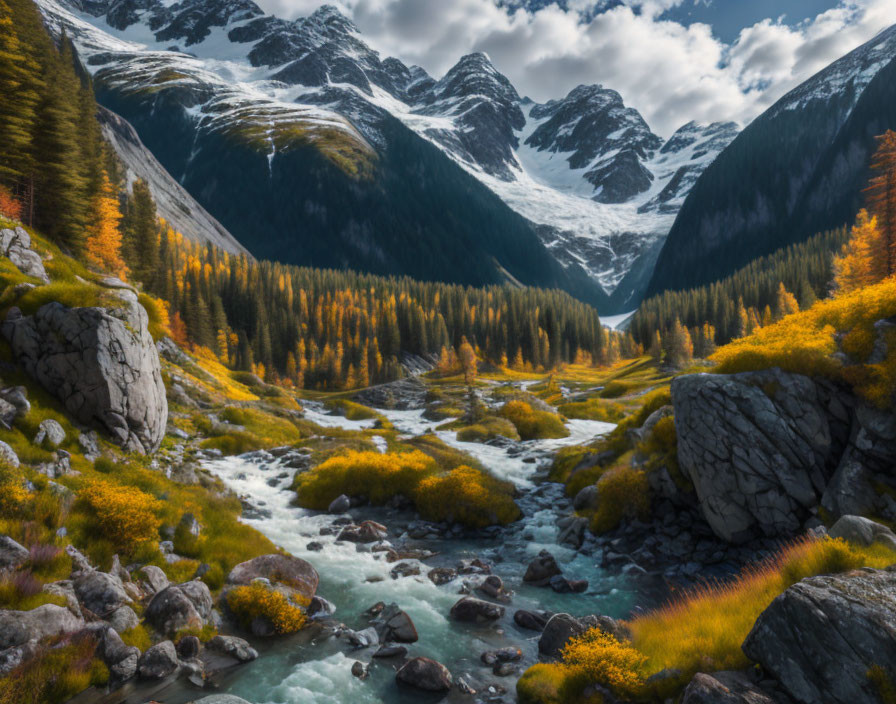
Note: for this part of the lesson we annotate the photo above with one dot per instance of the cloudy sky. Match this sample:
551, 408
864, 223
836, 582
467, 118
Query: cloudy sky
673, 60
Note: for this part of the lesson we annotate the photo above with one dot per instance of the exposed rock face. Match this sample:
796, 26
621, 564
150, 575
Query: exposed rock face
725, 688
16, 244
288, 570
18, 627
187, 605
101, 363
761, 448
425, 674
820, 637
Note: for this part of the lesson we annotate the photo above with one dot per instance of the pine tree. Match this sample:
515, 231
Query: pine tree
863, 259
467, 357
103, 248
681, 347
656, 346
786, 303
141, 230
882, 196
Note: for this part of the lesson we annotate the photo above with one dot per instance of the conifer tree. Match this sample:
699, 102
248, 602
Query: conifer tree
863, 259
786, 303
681, 347
881, 193
656, 346
103, 248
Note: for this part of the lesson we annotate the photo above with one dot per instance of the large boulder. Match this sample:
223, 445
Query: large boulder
393, 624
287, 570
16, 245
560, 628
187, 605
725, 688
425, 674
158, 661
541, 569
822, 636
12, 555
18, 627
759, 448
100, 362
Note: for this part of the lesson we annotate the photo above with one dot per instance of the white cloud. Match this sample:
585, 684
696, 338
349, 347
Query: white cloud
670, 73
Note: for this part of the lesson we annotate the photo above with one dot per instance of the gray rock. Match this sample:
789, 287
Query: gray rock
725, 688
123, 619
187, 605
531, 620
11, 658
220, 699
7, 414
291, 571
586, 498
79, 562
340, 504
188, 647
89, 443
159, 661
319, 607
16, 245
101, 363
472, 610
12, 555
234, 647
541, 569
366, 532
850, 491
393, 624
17, 396
425, 674
8, 455
50, 432
863, 531
820, 637
154, 578
18, 627
100, 593
390, 651
558, 630
756, 447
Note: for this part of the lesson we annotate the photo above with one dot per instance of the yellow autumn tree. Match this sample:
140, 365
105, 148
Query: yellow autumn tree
103, 235
786, 303
863, 260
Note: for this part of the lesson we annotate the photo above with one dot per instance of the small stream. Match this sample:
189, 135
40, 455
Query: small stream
295, 671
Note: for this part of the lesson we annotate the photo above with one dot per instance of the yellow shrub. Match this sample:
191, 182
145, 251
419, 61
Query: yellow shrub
704, 629
123, 515
257, 600
594, 409
596, 656
487, 429
805, 342
157, 312
623, 492
139, 636
55, 675
376, 475
532, 424
542, 684
468, 496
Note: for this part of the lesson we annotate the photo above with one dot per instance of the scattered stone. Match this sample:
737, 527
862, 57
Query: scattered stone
504, 669
79, 562
493, 587
123, 618
48, 620
16, 245
541, 569
441, 575
319, 607
360, 670
66, 350
557, 632
188, 647
8, 455
154, 578
50, 432
405, 569
573, 530
562, 585
821, 636
12, 555
393, 624
366, 532
724, 688
531, 620
472, 610
288, 570
187, 605
158, 661
221, 699
340, 504
390, 651
100, 593
492, 657
362, 639
232, 646
314, 546
426, 674
863, 531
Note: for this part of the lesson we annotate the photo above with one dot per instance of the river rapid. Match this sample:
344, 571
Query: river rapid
296, 670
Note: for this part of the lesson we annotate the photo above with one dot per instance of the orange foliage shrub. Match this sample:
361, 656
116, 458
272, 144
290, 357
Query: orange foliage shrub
10, 206
124, 515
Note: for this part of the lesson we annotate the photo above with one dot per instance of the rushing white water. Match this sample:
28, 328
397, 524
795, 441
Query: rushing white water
292, 671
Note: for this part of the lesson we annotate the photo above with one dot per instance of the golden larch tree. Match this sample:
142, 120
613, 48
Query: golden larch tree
103, 235
862, 261
881, 194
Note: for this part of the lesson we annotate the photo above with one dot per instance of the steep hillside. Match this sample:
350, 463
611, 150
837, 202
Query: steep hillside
796, 170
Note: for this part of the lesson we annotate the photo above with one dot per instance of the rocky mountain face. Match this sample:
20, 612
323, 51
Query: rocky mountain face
807, 159
347, 159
